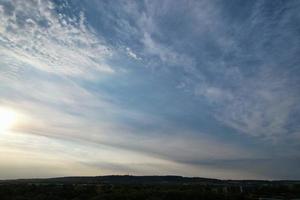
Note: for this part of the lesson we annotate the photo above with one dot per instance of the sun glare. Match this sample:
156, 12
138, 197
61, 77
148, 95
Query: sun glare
7, 119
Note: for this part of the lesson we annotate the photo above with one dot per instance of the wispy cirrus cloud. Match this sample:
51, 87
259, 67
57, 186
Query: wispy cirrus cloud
237, 70
262, 107
137, 87
33, 32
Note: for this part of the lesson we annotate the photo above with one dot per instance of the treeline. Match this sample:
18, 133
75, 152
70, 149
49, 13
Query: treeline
26, 191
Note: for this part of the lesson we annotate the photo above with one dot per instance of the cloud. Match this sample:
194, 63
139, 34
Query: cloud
131, 54
235, 100
213, 94
63, 117
33, 32
262, 168
262, 108
55, 156
259, 106
251, 89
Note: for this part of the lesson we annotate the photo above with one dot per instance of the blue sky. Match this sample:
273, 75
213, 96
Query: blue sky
192, 88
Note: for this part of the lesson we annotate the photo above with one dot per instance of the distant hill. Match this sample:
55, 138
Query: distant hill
127, 179
115, 179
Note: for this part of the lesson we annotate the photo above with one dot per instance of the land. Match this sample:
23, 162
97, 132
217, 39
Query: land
146, 187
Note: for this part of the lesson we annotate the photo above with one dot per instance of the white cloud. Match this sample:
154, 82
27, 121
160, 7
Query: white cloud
166, 54
164, 155
261, 107
131, 54
146, 26
34, 33
213, 94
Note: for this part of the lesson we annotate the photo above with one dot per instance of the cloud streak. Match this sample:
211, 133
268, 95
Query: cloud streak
190, 88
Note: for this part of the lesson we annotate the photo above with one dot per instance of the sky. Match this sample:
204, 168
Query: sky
204, 88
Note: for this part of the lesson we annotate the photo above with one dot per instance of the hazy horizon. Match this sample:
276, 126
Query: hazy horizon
204, 88
62, 178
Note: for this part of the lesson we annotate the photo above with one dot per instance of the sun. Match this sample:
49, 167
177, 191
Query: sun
7, 119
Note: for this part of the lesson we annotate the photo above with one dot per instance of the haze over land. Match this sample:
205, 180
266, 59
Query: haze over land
194, 88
